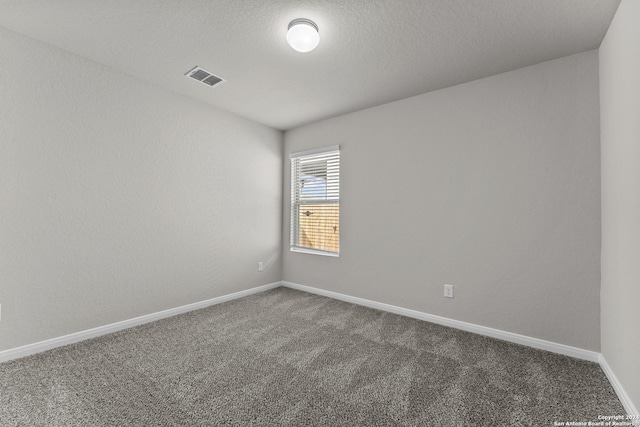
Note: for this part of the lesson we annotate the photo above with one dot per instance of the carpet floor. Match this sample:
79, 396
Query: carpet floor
285, 357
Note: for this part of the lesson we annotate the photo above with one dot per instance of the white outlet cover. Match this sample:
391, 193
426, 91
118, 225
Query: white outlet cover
448, 291
260, 266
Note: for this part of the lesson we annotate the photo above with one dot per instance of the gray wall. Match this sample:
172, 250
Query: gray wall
492, 186
620, 136
119, 199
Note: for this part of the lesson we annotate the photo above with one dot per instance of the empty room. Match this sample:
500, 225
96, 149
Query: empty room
337, 213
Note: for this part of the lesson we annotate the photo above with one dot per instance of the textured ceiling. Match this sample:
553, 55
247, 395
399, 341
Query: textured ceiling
371, 51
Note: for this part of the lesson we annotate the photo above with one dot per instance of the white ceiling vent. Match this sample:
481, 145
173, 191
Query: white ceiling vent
204, 76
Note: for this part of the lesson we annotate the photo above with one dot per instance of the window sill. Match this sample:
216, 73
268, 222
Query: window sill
314, 252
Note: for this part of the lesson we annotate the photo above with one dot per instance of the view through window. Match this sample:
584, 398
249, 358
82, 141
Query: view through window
315, 201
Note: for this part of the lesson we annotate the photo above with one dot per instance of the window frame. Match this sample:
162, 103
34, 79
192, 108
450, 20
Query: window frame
296, 190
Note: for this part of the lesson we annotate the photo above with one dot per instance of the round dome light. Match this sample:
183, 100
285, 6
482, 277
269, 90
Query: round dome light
303, 35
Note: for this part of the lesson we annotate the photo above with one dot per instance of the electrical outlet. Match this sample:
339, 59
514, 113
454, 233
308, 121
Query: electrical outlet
260, 266
448, 291
0, 311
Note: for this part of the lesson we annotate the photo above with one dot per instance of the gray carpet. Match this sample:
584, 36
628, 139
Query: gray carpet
285, 357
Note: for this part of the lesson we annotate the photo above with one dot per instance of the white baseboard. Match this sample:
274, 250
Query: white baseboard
15, 353
622, 394
553, 347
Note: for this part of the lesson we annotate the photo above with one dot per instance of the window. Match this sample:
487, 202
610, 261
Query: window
315, 201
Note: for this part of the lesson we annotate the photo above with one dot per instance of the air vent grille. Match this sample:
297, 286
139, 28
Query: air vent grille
204, 76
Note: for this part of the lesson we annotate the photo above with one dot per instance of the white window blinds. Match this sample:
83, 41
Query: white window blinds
315, 201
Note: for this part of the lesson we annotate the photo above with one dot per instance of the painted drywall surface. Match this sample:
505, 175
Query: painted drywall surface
492, 186
620, 136
118, 198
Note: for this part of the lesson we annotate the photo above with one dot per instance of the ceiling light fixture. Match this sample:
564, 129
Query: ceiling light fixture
303, 35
